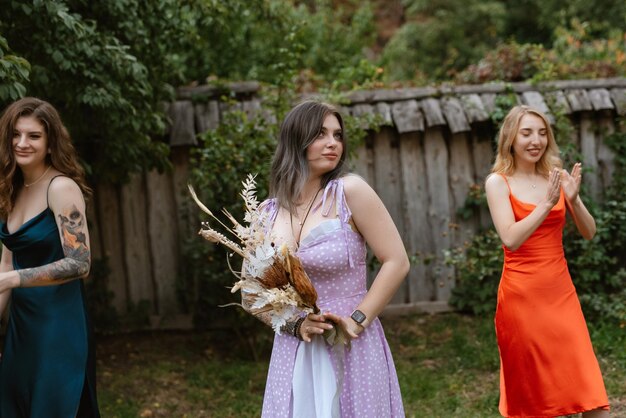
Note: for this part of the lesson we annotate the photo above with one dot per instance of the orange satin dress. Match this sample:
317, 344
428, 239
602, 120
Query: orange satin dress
547, 364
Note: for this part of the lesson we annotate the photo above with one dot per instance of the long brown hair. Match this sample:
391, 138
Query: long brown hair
290, 168
505, 163
62, 155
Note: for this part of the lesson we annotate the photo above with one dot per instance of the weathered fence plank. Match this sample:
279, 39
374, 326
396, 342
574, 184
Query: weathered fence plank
461, 178
207, 117
605, 156
482, 157
362, 163
384, 110
113, 244
436, 157
417, 233
137, 259
578, 100
182, 129
474, 108
588, 148
619, 99
452, 109
535, 100
600, 99
163, 238
407, 116
432, 112
388, 185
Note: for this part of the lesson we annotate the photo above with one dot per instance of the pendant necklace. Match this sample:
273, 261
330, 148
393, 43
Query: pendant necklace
301, 223
40, 177
532, 183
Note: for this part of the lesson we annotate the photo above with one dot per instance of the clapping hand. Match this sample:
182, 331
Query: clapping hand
554, 187
571, 182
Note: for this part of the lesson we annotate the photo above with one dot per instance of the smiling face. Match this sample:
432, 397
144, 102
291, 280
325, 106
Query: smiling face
531, 139
324, 152
30, 143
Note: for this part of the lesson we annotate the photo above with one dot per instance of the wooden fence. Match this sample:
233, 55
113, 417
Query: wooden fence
436, 144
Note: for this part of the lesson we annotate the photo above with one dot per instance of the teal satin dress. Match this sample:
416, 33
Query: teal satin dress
47, 367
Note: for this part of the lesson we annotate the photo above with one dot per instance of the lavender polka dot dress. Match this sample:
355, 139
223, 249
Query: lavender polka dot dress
333, 256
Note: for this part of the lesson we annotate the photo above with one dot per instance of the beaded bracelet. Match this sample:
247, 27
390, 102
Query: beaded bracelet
293, 328
296, 328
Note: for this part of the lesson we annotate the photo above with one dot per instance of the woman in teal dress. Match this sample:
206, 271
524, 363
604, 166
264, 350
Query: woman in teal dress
47, 368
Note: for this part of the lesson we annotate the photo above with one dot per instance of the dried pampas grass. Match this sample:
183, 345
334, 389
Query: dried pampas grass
301, 282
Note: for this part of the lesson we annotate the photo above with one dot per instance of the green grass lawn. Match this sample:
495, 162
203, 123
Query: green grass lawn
447, 365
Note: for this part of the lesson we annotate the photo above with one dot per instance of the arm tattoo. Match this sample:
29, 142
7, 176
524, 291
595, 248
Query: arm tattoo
76, 262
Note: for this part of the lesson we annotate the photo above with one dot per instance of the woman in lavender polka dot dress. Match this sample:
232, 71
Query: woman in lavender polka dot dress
327, 217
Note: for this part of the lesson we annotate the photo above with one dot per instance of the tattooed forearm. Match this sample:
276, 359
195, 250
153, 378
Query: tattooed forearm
77, 256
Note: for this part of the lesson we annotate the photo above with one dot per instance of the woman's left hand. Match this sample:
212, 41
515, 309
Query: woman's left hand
570, 183
351, 328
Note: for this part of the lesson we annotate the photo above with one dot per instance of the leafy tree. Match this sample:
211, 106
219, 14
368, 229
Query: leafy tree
109, 66
574, 55
108, 96
441, 36
256, 39
536, 21
14, 71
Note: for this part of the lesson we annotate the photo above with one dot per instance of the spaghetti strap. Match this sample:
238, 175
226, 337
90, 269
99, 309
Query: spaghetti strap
48, 189
507, 183
334, 194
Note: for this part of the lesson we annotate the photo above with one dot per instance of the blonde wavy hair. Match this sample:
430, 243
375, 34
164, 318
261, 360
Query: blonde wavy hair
505, 163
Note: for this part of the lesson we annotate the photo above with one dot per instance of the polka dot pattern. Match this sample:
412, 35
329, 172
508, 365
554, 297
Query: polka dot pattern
334, 259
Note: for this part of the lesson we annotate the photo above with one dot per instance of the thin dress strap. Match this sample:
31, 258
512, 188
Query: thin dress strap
333, 193
507, 183
48, 189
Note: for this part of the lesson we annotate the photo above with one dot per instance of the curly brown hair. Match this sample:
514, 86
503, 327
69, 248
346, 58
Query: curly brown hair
62, 156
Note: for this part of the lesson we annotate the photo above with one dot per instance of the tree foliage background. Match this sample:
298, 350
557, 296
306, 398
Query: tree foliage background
111, 66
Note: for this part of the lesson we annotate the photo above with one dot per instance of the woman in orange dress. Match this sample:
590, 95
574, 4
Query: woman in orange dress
548, 367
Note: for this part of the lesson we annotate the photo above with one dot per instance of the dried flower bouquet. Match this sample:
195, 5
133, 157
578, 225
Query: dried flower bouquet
272, 277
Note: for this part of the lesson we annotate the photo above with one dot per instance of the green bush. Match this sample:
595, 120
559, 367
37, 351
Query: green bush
574, 54
478, 268
220, 163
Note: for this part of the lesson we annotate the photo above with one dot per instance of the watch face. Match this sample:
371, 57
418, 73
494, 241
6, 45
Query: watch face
358, 316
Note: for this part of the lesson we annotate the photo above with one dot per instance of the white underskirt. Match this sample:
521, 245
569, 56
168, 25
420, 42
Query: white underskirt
314, 384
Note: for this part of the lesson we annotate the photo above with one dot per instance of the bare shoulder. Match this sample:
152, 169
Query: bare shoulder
354, 184
360, 196
495, 184
64, 191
